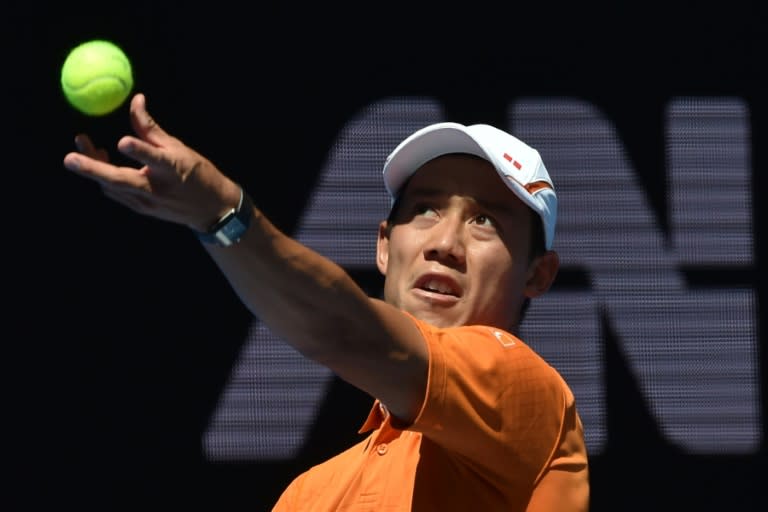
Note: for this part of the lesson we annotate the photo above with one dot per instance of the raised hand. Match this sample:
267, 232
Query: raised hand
173, 182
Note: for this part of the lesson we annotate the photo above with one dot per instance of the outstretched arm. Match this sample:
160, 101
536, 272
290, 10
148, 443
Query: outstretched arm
302, 296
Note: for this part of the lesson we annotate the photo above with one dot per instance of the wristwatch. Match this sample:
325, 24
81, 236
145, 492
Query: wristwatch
232, 226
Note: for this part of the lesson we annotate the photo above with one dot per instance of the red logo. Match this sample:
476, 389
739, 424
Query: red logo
514, 162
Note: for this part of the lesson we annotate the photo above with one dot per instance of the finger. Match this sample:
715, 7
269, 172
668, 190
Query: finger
144, 124
105, 173
85, 145
156, 159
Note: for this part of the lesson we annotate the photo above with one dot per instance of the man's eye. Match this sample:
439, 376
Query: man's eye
424, 209
485, 220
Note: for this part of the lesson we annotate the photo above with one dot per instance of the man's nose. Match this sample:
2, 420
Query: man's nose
447, 240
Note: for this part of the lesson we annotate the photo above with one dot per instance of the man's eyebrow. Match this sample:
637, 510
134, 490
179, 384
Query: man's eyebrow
421, 191
502, 207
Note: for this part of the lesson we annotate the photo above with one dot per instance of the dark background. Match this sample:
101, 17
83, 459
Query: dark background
122, 333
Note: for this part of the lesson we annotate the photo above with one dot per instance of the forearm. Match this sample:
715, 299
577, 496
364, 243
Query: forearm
305, 298
313, 305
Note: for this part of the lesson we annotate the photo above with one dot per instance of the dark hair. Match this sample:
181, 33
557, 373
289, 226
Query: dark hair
537, 248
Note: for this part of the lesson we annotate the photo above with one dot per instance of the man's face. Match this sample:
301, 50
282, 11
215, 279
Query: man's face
458, 252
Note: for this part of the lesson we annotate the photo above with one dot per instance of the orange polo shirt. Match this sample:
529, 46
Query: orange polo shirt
498, 430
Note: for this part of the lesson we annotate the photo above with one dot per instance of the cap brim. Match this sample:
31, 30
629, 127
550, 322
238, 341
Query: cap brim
424, 145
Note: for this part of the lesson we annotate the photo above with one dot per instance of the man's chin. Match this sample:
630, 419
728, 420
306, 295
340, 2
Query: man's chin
438, 319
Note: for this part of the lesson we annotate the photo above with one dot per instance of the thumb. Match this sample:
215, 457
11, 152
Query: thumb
144, 124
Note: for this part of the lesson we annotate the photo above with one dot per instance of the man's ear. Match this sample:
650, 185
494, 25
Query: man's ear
382, 248
541, 274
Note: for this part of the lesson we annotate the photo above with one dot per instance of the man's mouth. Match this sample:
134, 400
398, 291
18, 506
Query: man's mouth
438, 284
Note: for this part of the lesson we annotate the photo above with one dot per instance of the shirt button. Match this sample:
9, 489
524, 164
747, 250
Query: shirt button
382, 448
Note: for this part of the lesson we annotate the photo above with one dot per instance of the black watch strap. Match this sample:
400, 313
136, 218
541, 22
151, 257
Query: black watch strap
232, 226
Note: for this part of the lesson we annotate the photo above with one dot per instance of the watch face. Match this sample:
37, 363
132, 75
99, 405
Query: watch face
232, 226
233, 230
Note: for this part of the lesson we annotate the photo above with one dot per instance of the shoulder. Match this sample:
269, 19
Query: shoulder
486, 339
489, 353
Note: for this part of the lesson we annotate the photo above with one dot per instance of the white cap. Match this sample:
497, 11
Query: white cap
519, 165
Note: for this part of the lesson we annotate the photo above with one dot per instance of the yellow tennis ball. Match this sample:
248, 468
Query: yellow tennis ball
96, 77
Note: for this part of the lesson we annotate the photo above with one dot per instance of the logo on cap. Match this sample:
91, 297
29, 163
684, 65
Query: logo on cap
514, 162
